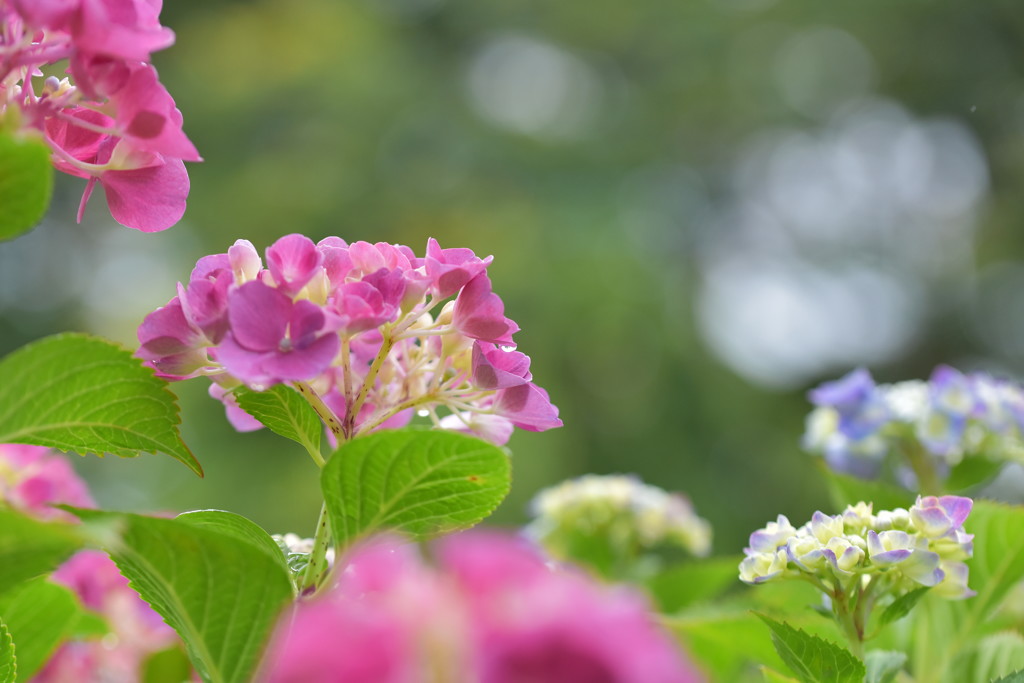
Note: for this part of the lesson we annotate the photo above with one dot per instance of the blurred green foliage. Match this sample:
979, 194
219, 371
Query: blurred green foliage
584, 144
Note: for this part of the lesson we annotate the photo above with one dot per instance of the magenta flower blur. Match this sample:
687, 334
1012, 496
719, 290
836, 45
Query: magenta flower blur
492, 611
111, 122
376, 332
32, 480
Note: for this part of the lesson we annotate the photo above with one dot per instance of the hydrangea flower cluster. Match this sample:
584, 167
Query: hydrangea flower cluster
622, 509
491, 611
34, 479
857, 423
112, 122
857, 557
369, 333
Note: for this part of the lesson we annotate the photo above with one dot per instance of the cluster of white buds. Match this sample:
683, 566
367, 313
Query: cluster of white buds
622, 509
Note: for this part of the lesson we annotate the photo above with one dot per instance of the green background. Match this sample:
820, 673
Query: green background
698, 210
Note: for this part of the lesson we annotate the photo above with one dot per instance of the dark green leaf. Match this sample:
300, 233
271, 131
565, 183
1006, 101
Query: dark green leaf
220, 593
811, 658
687, 583
40, 616
30, 548
848, 490
883, 665
26, 183
8, 664
83, 394
972, 471
283, 411
419, 482
901, 606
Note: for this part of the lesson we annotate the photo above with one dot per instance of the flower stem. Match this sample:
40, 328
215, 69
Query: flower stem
317, 568
325, 413
371, 376
921, 462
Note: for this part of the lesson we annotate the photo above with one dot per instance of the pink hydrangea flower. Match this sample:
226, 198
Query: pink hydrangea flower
376, 331
134, 150
33, 479
492, 611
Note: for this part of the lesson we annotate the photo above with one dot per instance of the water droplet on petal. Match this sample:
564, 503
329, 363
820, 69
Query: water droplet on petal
507, 348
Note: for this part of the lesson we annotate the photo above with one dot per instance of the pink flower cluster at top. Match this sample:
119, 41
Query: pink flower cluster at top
32, 480
492, 612
114, 123
372, 329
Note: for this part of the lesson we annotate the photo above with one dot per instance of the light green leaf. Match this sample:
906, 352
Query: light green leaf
724, 642
167, 666
883, 665
40, 615
79, 393
687, 583
8, 663
811, 658
238, 526
998, 561
1015, 677
419, 482
901, 606
30, 548
773, 676
283, 411
220, 593
999, 654
26, 183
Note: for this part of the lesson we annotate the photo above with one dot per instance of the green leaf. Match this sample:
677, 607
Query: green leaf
773, 676
283, 411
883, 665
167, 666
724, 642
691, 582
1015, 677
89, 395
419, 482
40, 616
30, 548
973, 471
26, 183
220, 593
848, 490
811, 658
901, 606
998, 562
8, 663
999, 654
238, 526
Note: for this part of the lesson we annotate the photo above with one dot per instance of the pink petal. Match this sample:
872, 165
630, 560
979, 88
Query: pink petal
259, 316
497, 369
528, 407
147, 199
293, 260
480, 314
